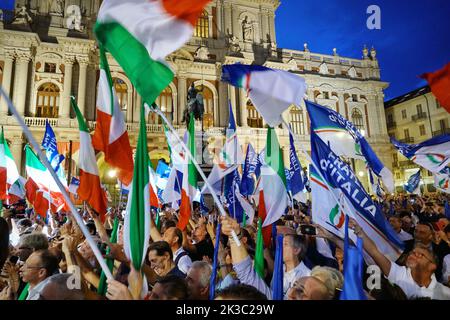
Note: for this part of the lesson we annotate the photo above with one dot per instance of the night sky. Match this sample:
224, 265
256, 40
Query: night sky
414, 36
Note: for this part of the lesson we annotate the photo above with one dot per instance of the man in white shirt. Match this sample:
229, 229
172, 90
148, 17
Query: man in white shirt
417, 279
396, 223
174, 237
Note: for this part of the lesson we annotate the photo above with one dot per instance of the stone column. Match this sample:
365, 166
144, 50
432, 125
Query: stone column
272, 27
341, 102
243, 106
228, 26
373, 115
219, 15
83, 63
6, 84
265, 26
65, 99
20, 82
237, 30
182, 92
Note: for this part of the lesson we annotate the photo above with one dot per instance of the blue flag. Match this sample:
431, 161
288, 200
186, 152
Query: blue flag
353, 269
162, 170
212, 282
7, 4
277, 282
413, 183
231, 187
296, 182
204, 210
346, 140
447, 209
51, 147
339, 175
249, 172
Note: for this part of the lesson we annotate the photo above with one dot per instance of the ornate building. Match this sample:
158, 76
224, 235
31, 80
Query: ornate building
48, 52
415, 117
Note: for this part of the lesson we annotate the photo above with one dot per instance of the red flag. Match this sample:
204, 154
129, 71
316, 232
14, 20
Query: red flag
439, 82
267, 230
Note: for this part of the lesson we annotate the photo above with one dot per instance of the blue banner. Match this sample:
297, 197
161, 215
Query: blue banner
51, 147
162, 169
296, 182
338, 174
7, 5
231, 186
249, 172
413, 182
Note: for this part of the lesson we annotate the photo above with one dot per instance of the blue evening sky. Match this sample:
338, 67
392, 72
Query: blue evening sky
414, 36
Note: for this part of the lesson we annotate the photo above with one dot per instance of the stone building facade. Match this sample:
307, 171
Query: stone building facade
415, 117
48, 53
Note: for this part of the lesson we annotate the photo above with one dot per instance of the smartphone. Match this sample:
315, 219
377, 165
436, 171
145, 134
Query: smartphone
307, 229
13, 259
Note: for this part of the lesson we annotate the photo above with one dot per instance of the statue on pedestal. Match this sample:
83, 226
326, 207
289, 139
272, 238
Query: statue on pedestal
247, 30
194, 104
22, 17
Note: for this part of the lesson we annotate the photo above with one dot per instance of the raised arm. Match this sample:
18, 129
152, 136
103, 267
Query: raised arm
379, 258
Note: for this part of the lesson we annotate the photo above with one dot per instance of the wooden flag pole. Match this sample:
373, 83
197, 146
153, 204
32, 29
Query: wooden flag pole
44, 160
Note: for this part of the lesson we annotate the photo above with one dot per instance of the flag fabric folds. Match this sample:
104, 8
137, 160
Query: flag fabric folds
90, 188
296, 181
439, 82
271, 91
140, 34
352, 197
137, 218
212, 282
432, 154
51, 147
8, 169
442, 180
189, 184
110, 134
413, 183
353, 269
346, 140
277, 282
74, 185
273, 180
259, 251
249, 172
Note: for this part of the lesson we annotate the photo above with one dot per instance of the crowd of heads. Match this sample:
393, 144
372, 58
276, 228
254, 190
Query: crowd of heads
51, 259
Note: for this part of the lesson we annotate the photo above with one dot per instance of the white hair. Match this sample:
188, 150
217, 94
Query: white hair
205, 271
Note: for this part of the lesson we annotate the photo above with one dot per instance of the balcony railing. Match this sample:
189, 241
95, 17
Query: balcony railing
407, 140
440, 132
419, 116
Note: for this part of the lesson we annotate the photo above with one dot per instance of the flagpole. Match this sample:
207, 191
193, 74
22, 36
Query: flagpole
312, 162
200, 171
44, 160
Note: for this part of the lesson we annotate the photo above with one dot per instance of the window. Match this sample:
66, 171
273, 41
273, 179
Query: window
390, 118
419, 109
47, 102
422, 130
406, 132
50, 67
202, 26
354, 98
395, 157
326, 95
254, 120
331, 71
315, 69
164, 101
403, 114
122, 93
297, 121
398, 175
357, 119
438, 105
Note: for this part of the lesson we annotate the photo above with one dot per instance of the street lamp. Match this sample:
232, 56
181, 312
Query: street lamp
361, 174
112, 173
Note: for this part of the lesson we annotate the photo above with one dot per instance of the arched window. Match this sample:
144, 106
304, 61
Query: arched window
254, 120
165, 102
208, 102
122, 93
47, 102
202, 26
297, 121
357, 119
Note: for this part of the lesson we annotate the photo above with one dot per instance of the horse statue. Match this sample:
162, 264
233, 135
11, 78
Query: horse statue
195, 105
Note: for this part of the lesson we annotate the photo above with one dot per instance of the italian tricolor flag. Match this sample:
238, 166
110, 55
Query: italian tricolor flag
273, 180
90, 189
41, 190
111, 135
154, 201
8, 169
189, 185
141, 33
137, 219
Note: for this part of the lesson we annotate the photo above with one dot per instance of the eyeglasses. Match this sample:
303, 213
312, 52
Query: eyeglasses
421, 255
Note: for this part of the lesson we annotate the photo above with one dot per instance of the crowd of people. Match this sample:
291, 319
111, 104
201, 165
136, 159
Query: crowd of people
50, 259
